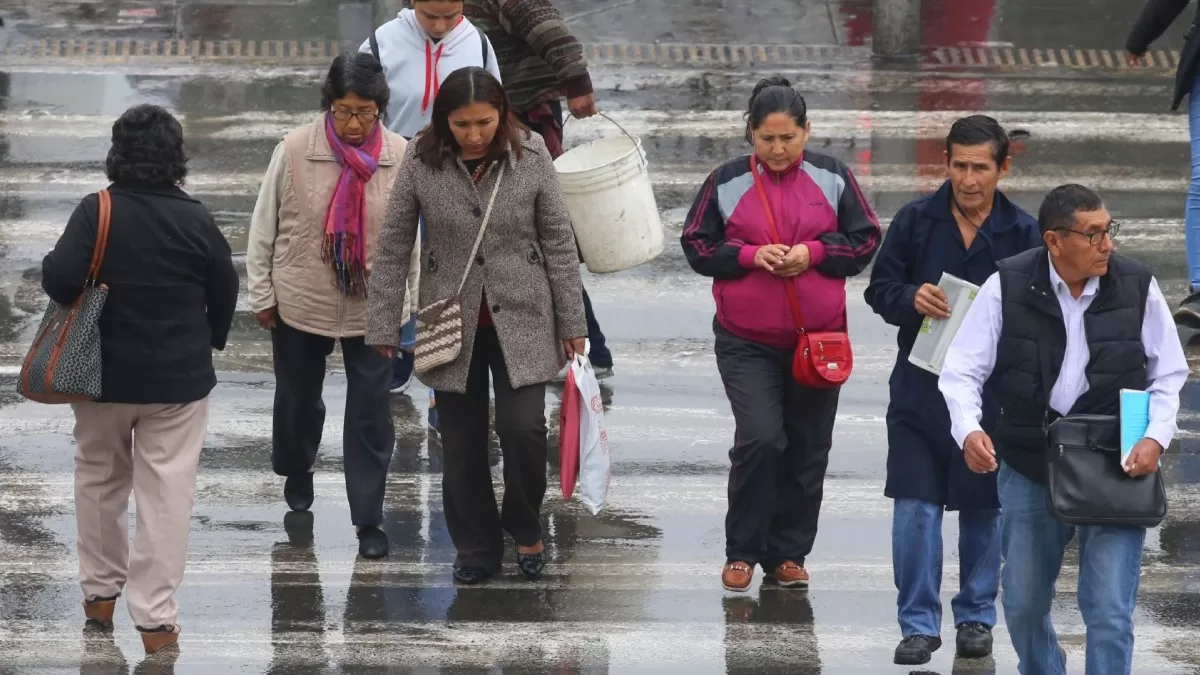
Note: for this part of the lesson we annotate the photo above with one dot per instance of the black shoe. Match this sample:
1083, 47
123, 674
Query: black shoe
298, 491
531, 564
471, 576
915, 650
372, 542
1189, 309
974, 640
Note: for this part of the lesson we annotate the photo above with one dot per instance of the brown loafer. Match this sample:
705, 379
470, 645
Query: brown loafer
99, 612
736, 576
157, 639
790, 575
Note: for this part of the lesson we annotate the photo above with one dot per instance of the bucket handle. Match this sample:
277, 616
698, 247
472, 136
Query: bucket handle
641, 155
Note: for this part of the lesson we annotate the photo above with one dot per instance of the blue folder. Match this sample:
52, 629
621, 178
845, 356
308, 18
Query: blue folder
1135, 418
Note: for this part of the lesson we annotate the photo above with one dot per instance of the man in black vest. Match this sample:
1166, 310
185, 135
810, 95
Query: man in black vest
1109, 328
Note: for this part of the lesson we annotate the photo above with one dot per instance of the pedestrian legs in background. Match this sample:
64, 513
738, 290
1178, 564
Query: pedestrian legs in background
781, 450
1188, 313
368, 440
152, 451
598, 353
299, 418
1110, 559
917, 570
475, 522
402, 365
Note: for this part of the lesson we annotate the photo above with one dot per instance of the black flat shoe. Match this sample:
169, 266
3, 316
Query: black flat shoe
531, 564
372, 542
298, 491
471, 576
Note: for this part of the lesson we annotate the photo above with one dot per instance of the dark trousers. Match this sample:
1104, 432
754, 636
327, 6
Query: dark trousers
780, 453
476, 524
369, 435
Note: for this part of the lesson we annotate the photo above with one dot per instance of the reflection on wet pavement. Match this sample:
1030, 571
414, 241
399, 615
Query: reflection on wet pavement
633, 590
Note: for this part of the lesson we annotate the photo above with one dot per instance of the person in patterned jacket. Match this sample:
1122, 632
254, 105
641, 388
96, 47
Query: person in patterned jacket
541, 62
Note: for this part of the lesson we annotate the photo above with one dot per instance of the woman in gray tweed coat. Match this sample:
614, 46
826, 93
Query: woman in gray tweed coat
522, 307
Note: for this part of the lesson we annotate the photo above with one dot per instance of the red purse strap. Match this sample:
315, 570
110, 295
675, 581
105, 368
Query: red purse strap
793, 299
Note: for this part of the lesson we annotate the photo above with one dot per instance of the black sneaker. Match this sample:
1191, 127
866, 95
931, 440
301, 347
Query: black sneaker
298, 491
915, 650
974, 640
372, 542
1189, 309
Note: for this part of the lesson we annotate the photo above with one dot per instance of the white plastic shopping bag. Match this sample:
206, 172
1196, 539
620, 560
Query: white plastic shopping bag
595, 466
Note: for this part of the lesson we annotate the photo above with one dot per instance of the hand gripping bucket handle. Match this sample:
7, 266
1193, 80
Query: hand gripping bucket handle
637, 145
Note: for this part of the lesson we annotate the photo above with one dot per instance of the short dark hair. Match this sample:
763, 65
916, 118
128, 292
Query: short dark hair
436, 144
977, 130
774, 95
359, 74
1059, 207
147, 148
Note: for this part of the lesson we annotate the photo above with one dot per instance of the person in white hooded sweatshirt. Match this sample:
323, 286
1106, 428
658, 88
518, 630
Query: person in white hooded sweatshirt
419, 49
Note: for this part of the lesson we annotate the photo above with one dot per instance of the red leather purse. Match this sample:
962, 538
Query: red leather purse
823, 360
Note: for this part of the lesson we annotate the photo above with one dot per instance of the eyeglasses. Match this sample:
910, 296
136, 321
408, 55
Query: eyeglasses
1094, 238
366, 117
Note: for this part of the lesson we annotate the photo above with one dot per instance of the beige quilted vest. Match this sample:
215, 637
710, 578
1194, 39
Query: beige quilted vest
305, 287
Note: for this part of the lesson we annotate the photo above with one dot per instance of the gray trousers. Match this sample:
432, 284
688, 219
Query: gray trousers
369, 435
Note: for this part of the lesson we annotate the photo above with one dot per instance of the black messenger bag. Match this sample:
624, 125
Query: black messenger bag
1085, 481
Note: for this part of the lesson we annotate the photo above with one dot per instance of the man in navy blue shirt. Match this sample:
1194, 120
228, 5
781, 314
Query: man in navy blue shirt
962, 229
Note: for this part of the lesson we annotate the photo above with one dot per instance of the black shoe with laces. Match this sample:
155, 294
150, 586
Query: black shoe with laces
471, 576
915, 650
298, 491
974, 640
372, 542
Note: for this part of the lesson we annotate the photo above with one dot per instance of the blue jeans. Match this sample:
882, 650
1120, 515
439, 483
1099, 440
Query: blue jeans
1192, 216
1110, 563
917, 566
408, 334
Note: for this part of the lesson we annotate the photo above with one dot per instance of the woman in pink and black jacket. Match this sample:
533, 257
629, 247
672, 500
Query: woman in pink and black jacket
826, 232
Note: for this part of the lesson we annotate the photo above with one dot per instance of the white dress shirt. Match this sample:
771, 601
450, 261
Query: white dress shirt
972, 355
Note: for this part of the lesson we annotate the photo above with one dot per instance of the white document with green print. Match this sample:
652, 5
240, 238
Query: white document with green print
934, 337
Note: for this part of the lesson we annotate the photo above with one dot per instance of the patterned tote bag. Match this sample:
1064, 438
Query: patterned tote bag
439, 326
63, 363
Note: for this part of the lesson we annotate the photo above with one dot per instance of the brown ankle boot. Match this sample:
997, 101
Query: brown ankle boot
99, 612
158, 639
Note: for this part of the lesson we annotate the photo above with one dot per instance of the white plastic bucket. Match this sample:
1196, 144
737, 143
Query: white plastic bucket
611, 201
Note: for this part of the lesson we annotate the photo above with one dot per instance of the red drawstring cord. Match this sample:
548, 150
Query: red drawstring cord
431, 79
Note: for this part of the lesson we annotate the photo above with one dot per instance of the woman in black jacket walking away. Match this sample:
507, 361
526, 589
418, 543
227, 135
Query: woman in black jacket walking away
171, 299
1156, 17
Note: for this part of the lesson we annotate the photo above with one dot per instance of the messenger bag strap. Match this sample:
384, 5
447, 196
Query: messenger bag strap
793, 299
487, 215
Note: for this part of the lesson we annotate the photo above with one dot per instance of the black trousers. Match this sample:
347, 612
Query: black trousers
780, 453
476, 524
368, 433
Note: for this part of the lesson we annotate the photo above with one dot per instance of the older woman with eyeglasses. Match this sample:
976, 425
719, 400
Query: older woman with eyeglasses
308, 261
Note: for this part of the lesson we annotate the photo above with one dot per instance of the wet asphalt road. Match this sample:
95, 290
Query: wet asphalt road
635, 589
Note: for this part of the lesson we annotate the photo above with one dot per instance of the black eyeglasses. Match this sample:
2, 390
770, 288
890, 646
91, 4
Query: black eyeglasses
364, 117
1094, 238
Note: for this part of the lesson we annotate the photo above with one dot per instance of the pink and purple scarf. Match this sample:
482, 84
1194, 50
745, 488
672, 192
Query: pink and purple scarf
345, 247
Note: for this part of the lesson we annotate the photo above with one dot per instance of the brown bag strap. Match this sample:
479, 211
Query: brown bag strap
101, 238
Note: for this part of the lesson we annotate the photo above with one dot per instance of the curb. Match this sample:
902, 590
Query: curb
320, 52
